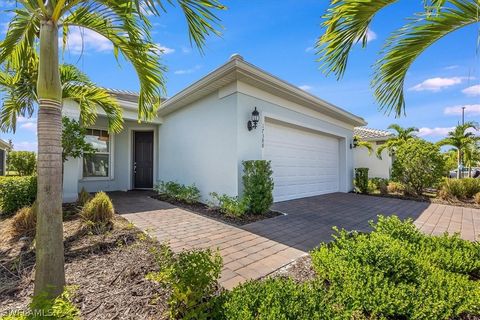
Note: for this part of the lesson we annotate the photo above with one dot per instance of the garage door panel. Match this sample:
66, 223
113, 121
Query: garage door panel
304, 163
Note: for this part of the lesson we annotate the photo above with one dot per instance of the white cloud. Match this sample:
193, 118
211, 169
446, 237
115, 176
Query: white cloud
25, 146
309, 49
432, 132
473, 109
437, 84
188, 71
186, 50
164, 50
472, 91
23, 119
452, 67
82, 40
306, 87
371, 35
30, 126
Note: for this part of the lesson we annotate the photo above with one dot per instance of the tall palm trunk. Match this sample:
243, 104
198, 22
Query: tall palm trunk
49, 272
459, 162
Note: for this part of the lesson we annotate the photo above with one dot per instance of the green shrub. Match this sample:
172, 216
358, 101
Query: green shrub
277, 298
174, 190
361, 180
465, 188
99, 211
258, 185
228, 205
42, 308
396, 272
16, 193
395, 187
418, 164
83, 197
23, 162
24, 221
192, 278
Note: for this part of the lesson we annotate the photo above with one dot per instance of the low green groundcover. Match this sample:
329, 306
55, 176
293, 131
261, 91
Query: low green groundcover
394, 272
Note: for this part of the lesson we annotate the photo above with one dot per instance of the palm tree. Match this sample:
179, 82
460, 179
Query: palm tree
20, 95
461, 138
347, 23
401, 136
471, 156
36, 23
363, 144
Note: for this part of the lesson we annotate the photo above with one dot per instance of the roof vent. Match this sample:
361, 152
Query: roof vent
236, 56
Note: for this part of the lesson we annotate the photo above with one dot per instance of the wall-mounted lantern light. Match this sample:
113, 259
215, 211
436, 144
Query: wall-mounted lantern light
354, 143
252, 124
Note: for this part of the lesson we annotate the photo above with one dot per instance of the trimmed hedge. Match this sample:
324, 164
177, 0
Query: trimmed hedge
361, 180
394, 272
258, 185
16, 193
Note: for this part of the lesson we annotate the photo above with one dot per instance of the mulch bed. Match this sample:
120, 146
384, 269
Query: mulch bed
209, 212
300, 270
467, 203
108, 272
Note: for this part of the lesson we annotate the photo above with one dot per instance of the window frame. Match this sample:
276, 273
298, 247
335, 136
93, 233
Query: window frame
110, 176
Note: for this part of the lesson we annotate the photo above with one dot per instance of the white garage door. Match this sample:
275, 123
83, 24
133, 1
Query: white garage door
305, 163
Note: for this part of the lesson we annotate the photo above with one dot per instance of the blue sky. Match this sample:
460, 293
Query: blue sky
278, 36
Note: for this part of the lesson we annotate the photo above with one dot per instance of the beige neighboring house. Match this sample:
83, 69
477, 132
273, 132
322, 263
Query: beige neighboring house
4, 146
378, 168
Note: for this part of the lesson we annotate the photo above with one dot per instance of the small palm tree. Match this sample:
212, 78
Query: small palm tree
363, 144
401, 136
461, 138
36, 24
471, 156
347, 23
20, 95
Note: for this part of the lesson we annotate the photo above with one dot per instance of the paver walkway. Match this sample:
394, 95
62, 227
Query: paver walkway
259, 248
246, 255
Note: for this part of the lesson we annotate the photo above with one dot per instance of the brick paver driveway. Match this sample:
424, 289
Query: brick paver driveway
310, 220
259, 248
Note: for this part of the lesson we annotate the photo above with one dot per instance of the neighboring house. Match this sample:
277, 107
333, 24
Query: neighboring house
4, 146
200, 136
378, 168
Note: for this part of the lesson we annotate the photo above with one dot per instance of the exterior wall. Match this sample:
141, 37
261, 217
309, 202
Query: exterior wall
250, 143
378, 168
120, 162
198, 145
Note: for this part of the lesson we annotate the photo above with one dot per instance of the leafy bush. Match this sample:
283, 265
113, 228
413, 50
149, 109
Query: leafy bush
74, 144
379, 184
174, 190
192, 278
418, 165
83, 197
43, 308
465, 188
16, 193
395, 187
99, 211
25, 221
258, 185
361, 180
232, 206
23, 162
397, 272
277, 298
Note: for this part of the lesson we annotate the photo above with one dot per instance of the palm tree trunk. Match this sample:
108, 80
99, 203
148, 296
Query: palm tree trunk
459, 162
49, 271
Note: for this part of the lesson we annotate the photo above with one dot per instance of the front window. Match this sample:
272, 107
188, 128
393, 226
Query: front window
97, 165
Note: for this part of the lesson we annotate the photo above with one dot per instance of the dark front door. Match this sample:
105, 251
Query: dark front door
143, 159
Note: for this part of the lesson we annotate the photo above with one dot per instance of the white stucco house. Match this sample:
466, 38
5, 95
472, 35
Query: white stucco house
201, 136
378, 168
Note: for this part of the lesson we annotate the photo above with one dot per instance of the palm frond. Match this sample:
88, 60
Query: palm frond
405, 45
129, 39
346, 23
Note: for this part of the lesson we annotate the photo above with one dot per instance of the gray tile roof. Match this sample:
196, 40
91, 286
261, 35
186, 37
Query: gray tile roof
365, 133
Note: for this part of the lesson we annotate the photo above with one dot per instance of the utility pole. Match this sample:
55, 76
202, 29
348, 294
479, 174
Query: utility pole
463, 115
